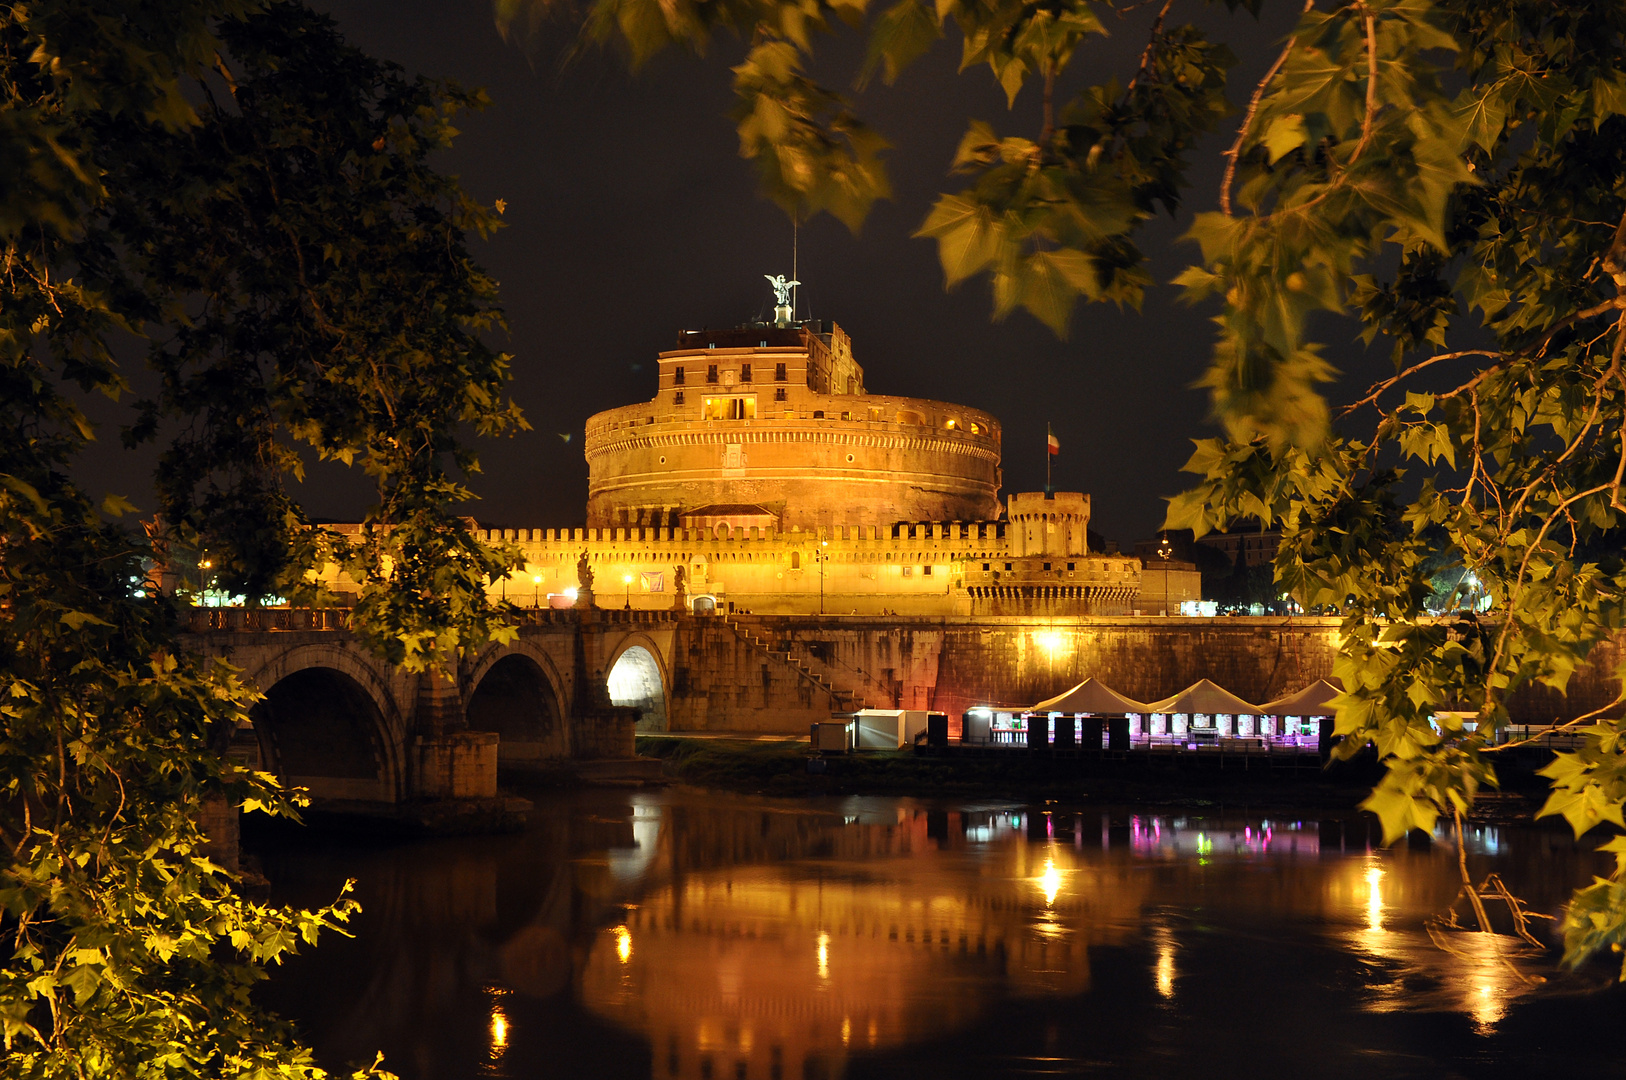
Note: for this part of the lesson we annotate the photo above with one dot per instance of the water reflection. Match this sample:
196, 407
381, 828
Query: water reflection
1164, 973
743, 967
688, 935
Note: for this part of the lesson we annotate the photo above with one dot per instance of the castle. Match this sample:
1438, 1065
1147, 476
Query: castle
762, 477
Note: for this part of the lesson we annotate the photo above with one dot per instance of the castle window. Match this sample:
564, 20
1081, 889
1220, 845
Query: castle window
985, 566
818, 414
779, 394
1047, 566
908, 571
745, 373
1069, 566
711, 373
927, 570
779, 373
1007, 566
796, 560
677, 398
677, 376
731, 408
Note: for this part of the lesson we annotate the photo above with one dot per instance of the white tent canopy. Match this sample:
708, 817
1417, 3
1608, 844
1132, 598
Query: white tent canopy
1313, 700
1203, 696
1091, 696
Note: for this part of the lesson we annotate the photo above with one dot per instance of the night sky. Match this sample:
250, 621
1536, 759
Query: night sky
631, 216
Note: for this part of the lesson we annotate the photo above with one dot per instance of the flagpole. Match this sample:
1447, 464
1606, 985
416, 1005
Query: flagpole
1047, 456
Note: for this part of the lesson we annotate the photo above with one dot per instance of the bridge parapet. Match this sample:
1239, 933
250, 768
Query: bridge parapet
208, 620
211, 620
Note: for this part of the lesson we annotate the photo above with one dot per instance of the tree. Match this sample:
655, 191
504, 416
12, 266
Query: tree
230, 184
1448, 175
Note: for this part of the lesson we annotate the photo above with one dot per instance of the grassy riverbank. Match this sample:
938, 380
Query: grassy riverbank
781, 768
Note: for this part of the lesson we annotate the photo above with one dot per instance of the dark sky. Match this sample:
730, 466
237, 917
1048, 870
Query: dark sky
631, 216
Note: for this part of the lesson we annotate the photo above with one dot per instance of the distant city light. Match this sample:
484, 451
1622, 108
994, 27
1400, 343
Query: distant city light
623, 944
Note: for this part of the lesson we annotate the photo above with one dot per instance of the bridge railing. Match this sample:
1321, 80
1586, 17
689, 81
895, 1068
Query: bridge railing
210, 620
205, 620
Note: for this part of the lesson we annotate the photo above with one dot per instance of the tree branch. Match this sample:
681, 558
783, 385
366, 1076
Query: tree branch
1235, 151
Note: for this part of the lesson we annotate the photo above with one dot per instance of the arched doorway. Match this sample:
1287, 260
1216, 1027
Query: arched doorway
515, 699
320, 730
635, 680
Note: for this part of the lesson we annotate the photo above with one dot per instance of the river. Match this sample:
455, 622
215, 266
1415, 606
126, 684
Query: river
687, 934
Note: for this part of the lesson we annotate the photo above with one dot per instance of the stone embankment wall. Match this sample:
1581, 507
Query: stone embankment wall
722, 679
953, 664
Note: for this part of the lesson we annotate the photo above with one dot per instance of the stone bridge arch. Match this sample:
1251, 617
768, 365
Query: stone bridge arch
639, 675
516, 691
331, 722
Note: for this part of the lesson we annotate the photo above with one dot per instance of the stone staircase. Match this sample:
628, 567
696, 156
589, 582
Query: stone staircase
844, 700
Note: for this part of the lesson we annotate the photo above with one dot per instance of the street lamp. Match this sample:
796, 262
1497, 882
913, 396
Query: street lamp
626, 579
536, 590
1164, 550
822, 557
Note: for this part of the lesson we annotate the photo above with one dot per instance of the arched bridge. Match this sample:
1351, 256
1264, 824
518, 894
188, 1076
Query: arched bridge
351, 728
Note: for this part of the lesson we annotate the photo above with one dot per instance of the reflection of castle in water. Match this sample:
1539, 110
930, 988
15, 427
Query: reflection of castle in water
731, 937
771, 971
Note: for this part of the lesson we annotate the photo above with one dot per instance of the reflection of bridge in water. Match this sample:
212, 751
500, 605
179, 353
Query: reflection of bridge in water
733, 937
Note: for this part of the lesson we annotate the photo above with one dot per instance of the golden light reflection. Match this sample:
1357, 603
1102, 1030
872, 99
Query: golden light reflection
1374, 899
623, 944
1049, 882
846, 1030
824, 955
499, 1032
1165, 963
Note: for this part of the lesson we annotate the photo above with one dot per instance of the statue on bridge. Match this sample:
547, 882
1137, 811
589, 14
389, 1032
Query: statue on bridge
680, 587
584, 581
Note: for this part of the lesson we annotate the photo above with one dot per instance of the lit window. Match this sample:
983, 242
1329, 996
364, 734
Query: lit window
908, 571
731, 408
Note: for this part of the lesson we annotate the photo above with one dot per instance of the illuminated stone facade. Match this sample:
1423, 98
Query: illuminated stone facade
771, 426
763, 478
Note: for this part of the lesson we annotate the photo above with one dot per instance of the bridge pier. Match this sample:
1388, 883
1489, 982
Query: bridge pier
457, 765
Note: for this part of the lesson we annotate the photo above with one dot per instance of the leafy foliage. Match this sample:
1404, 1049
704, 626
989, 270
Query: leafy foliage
232, 184
1450, 175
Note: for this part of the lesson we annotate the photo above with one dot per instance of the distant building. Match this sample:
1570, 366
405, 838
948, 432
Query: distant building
1254, 547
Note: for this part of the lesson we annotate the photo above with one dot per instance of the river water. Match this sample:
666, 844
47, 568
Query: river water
693, 934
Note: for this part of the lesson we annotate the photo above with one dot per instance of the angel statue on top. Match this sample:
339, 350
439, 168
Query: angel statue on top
782, 313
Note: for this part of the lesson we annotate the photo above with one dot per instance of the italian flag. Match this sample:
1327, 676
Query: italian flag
1054, 443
